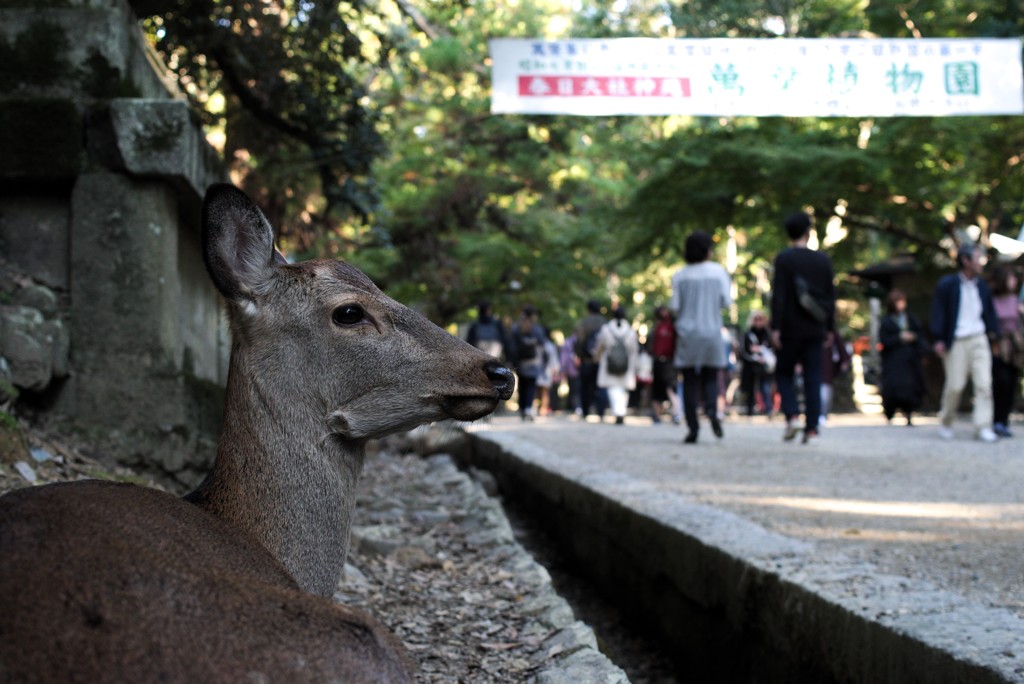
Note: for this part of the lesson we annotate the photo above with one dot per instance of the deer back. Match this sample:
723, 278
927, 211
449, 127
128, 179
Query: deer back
105, 582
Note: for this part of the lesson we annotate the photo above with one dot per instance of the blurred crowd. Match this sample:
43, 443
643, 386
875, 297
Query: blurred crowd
682, 363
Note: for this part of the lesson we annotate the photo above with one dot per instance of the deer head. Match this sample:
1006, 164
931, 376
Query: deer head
322, 361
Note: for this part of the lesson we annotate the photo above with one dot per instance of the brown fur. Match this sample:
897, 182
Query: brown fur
104, 582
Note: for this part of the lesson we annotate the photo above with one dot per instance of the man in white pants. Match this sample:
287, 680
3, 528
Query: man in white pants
963, 322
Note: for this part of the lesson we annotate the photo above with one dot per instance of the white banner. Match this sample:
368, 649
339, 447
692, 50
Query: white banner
758, 77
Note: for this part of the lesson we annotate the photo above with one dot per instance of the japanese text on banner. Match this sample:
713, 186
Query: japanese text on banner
758, 77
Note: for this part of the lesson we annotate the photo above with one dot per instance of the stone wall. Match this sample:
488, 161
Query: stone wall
107, 317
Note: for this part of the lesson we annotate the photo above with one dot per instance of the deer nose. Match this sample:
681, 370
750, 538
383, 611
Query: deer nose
503, 379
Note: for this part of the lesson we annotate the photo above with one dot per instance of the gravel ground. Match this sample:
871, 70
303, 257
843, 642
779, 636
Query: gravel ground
437, 572
399, 490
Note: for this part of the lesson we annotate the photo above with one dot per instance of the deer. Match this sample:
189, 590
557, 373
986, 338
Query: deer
110, 582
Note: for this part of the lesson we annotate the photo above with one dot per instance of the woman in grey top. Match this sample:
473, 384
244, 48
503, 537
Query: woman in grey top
700, 290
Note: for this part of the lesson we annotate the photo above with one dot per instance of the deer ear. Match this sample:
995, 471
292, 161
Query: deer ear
238, 243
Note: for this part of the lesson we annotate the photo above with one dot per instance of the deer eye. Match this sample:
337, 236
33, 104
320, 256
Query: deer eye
348, 314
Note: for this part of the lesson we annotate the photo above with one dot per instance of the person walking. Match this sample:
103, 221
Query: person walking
802, 314
700, 290
963, 322
571, 373
728, 378
550, 377
664, 376
617, 348
902, 340
592, 397
1009, 349
835, 363
758, 364
487, 332
527, 353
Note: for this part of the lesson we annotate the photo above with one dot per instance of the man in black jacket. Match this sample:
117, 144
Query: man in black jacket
963, 322
803, 314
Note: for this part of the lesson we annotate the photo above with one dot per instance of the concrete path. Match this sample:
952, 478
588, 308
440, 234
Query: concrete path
921, 535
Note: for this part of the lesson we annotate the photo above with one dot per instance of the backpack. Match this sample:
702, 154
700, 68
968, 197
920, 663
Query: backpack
526, 345
488, 337
810, 300
487, 330
618, 357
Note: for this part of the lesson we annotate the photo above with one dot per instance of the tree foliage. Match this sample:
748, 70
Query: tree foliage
882, 186
290, 85
461, 205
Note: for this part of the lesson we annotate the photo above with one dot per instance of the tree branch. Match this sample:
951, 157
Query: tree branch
887, 227
431, 31
418, 19
250, 101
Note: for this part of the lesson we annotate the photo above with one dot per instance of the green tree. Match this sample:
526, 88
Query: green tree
462, 205
509, 209
881, 186
290, 84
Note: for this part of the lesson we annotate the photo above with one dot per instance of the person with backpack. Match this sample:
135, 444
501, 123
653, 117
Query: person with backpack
527, 354
487, 332
617, 349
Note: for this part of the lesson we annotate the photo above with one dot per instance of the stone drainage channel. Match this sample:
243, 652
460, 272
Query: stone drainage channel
691, 581
626, 644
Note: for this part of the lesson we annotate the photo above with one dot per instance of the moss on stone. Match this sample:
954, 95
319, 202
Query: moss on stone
38, 57
103, 80
8, 392
161, 135
35, 4
7, 421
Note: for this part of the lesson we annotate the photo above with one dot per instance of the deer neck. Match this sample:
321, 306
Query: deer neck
284, 479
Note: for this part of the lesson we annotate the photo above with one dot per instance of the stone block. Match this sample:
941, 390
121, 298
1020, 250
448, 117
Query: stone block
26, 346
90, 49
41, 139
161, 138
34, 235
107, 169
59, 341
205, 335
126, 298
34, 347
37, 297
